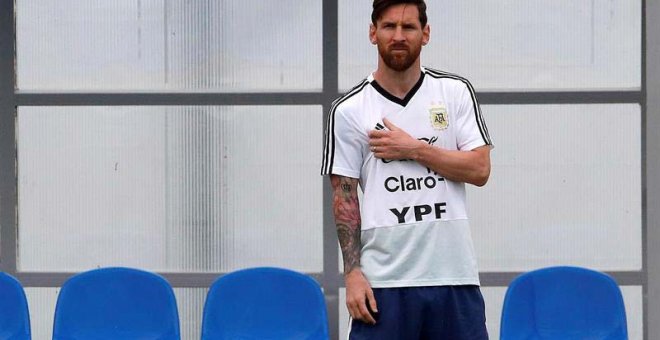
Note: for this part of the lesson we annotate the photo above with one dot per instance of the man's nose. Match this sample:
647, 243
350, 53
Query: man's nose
398, 34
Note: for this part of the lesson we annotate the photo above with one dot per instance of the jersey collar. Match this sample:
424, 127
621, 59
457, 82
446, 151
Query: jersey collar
393, 98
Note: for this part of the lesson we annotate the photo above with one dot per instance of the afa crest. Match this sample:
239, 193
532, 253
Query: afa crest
439, 117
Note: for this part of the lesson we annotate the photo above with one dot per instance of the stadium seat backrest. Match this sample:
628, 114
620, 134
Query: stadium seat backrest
563, 303
14, 313
265, 303
116, 303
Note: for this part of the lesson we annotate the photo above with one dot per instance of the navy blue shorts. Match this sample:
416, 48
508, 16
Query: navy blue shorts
434, 313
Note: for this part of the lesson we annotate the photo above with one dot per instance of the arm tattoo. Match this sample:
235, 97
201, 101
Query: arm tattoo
347, 217
346, 188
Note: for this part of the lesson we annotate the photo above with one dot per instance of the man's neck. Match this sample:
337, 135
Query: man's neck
397, 83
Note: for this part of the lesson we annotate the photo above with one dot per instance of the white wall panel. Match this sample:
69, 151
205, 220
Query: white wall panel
565, 188
514, 44
178, 45
92, 188
343, 315
42, 301
188, 189
190, 302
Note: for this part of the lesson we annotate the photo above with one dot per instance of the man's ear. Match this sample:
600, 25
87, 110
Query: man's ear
426, 34
372, 34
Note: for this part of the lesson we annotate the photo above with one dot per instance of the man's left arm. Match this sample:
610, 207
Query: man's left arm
471, 166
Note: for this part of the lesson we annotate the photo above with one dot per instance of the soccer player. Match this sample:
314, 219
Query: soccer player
411, 137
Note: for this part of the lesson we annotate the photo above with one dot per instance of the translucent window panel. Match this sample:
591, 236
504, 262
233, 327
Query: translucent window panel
514, 44
207, 45
343, 315
565, 188
632, 299
42, 301
184, 189
190, 302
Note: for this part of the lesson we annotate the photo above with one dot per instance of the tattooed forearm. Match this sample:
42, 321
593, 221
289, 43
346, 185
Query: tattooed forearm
347, 217
349, 240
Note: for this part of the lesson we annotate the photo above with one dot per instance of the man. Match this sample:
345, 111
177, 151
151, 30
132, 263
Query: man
411, 137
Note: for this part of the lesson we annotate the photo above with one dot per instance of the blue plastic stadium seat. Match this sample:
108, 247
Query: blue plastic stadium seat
265, 303
116, 303
563, 303
14, 313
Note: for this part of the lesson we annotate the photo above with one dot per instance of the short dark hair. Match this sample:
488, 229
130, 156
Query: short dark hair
381, 5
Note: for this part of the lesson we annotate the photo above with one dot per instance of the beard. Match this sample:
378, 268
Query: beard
399, 61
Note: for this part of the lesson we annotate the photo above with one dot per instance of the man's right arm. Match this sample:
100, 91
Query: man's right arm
346, 209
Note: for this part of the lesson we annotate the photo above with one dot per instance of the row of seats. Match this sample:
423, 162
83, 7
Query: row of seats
127, 303
276, 303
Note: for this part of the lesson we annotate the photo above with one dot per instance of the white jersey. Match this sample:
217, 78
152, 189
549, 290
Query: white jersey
415, 229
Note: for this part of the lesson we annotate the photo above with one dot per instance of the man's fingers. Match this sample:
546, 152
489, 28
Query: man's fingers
353, 308
372, 301
353, 311
390, 125
377, 133
376, 142
366, 316
359, 311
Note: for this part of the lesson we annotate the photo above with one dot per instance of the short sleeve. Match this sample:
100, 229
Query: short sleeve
342, 153
471, 130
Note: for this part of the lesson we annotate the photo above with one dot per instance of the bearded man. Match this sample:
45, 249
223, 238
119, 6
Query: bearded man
411, 137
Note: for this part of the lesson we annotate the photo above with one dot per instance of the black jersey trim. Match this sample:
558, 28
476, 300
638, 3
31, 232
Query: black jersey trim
395, 99
481, 123
329, 143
